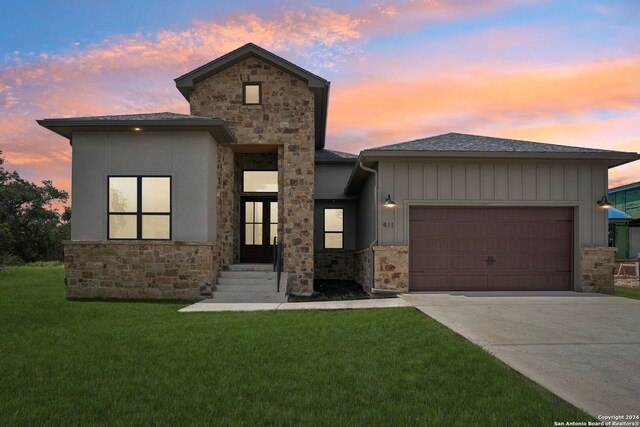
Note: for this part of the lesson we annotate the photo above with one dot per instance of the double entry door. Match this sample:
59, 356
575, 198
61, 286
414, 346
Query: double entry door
258, 228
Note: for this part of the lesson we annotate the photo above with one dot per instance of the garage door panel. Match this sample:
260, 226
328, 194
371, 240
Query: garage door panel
469, 282
429, 282
473, 244
550, 262
532, 248
432, 215
429, 229
551, 244
497, 246
509, 230
432, 245
511, 262
433, 263
469, 230
469, 262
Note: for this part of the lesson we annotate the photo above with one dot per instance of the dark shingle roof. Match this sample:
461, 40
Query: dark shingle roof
164, 121
460, 142
329, 156
146, 116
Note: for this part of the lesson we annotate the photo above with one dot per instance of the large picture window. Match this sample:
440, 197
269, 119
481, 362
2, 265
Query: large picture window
139, 207
333, 228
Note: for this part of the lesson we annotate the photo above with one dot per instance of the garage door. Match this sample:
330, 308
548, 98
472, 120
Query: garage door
490, 249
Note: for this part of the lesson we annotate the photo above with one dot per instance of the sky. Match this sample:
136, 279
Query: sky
556, 71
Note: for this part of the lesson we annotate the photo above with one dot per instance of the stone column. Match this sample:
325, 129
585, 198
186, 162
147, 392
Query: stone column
598, 264
297, 195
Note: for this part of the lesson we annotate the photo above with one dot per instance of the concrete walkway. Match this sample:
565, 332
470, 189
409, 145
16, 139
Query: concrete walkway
212, 305
585, 348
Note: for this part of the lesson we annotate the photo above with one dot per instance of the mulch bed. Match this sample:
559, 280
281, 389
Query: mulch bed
333, 290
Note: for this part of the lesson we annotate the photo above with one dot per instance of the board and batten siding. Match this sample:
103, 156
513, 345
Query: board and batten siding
456, 183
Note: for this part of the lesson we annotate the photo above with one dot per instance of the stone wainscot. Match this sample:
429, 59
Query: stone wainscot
139, 269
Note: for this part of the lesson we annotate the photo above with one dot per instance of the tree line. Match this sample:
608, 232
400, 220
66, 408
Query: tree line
31, 229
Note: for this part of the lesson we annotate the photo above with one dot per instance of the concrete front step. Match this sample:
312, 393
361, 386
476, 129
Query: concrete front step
243, 282
257, 287
250, 267
249, 297
258, 275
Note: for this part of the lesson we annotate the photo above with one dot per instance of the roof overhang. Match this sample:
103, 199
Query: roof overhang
318, 86
66, 127
358, 176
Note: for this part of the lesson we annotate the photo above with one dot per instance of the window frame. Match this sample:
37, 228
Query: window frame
266, 193
244, 93
325, 232
139, 213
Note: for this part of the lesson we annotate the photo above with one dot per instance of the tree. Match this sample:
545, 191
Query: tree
30, 228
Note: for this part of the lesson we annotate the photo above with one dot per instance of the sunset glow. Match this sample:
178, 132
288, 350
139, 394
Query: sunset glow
556, 72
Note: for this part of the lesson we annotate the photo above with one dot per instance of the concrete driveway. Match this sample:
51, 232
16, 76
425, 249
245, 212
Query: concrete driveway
585, 348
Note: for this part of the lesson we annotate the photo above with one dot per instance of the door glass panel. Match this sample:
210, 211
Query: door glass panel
260, 181
257, 239
123, 194
156, 226
123, 227
248, 207
156, 194
258, 214
273, 232
274, 212
248, 234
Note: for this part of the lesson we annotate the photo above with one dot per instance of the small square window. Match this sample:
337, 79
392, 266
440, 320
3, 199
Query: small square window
252, 93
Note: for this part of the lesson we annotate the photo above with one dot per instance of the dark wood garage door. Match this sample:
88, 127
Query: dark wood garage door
490, 249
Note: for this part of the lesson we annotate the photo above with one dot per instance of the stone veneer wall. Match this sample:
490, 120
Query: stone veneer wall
598, 264
284, 120
135, 269
362, 268
334, 264
392, 268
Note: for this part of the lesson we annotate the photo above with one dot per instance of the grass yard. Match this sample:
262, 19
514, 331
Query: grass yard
125, 363
633, 293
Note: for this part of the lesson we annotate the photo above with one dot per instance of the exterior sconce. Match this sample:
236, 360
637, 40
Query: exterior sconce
604, 203
389, 203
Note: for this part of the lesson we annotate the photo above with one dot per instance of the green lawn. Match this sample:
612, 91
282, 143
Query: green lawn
633, 293
123, 363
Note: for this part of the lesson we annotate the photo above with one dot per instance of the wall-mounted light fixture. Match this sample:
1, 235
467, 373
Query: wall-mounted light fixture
137, 129
604, 203
389, 203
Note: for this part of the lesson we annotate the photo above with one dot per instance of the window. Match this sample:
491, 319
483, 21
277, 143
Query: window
260, 181
333, 228
252, 93
139, 207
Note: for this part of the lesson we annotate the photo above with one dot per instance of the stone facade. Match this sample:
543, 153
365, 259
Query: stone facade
285, 123
392, 268
598, 265
139, 269
362, 268
334, 264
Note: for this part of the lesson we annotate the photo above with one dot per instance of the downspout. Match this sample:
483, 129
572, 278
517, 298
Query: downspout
375, 221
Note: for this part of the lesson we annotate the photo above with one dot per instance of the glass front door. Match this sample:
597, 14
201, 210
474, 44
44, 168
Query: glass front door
259, 227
